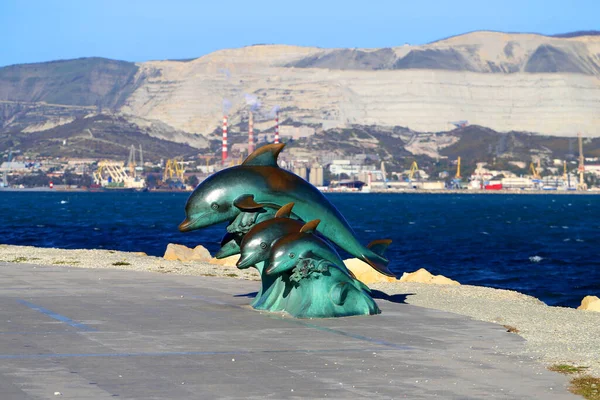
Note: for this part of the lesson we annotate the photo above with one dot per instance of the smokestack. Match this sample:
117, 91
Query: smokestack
276, 128
224, 154
250, 133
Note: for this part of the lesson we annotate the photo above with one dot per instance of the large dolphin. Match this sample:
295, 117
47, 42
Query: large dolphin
258, 183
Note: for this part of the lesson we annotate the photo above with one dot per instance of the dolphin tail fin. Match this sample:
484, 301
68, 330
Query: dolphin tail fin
374, 257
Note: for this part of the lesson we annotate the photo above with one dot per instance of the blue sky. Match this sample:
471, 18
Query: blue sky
140, 30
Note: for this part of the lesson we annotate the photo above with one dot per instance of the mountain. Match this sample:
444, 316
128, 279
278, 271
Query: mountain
98, 136
81, 82
505, 82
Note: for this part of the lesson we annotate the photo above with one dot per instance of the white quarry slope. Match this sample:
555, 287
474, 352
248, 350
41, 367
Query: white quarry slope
189, 95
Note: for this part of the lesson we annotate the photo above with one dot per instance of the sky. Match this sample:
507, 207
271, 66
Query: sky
141, 30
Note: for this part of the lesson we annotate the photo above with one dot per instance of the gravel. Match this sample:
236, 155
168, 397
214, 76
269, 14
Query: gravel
118, 260
555, 335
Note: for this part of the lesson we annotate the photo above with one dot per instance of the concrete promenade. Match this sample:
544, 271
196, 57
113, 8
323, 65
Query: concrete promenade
69, 333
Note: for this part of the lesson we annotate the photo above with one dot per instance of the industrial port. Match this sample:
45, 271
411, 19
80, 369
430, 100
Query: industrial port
328, 171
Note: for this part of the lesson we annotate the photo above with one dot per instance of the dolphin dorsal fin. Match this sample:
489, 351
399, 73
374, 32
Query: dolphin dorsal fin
310, 226
265, 156
285, 211
379, 246
246, 203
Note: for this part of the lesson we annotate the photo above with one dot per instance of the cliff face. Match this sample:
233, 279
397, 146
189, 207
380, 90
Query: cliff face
504, 81
484, 52
524, 82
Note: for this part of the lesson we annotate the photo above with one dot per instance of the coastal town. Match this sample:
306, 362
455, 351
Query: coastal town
366, 172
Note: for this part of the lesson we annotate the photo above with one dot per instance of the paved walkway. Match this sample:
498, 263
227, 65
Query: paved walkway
99, 334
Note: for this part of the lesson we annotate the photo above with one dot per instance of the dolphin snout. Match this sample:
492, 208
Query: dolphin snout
186, 225
276, 269
228, 249
246, 261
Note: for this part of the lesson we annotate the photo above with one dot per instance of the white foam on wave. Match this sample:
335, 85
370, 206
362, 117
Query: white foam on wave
536, 259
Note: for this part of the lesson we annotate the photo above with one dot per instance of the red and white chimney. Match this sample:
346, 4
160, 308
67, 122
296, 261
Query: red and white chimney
276, 128
250, 133
224, 154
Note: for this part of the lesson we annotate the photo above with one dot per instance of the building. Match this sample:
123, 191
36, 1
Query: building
316, 175
338, 167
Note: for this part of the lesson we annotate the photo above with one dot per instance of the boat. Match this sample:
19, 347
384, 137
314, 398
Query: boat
493, 186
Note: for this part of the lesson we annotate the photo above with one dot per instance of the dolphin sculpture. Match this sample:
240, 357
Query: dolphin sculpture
286, 251
255, 248
259, 183
240, 226
319, 286
256, 245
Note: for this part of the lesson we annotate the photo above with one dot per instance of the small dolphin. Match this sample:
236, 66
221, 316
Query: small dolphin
258, 183
256, 244
288, 250
237, 229
254, 251
319, 274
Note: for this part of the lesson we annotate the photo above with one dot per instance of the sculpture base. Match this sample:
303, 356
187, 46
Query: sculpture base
321, 290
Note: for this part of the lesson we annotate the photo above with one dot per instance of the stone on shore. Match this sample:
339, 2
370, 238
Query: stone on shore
177, 252
226, 262
424, 276
590, 303
365, 273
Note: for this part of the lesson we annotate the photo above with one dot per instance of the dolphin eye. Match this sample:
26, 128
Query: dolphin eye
263, 245
214, 206
292, 255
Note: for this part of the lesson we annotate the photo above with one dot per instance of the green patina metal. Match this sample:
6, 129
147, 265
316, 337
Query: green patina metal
255, 249
260, 183
301, 273
320, 289
317, 283
240, 226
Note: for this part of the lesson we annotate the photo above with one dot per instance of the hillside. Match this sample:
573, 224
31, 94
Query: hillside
100, 136
97, 82
506, 82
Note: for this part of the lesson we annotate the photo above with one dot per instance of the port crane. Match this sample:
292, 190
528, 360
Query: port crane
581, 169
457, 178
414, 168
535, 172
114, 174
207, 158
173, 168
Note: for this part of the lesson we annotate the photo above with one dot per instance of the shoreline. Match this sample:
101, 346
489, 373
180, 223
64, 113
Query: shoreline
372, 191
553, 335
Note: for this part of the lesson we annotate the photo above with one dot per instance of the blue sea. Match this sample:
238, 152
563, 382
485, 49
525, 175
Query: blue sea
545, 245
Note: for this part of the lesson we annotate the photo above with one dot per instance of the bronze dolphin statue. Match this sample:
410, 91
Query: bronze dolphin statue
241, 225
287, 250
255, 246
258, 183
